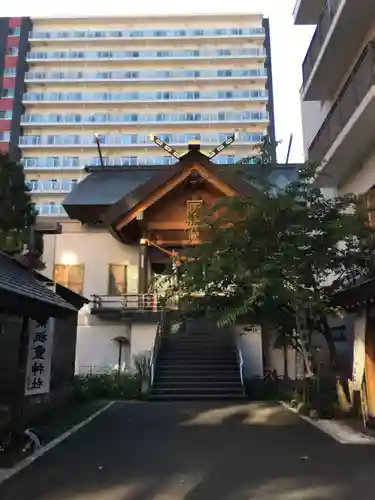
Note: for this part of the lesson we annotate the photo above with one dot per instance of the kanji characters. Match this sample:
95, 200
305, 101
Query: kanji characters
37, 368
39, 351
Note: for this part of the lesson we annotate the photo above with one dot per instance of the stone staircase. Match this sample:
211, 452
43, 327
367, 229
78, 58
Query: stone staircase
200, 363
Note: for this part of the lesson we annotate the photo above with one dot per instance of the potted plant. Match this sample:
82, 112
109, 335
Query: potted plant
142, 364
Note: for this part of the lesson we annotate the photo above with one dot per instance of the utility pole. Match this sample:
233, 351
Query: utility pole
97, 140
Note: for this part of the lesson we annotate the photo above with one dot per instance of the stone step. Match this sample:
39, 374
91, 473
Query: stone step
197, 384
223, 391
195, 397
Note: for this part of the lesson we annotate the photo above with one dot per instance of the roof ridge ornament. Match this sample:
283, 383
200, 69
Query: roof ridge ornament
165, 146
228, 142
214, 152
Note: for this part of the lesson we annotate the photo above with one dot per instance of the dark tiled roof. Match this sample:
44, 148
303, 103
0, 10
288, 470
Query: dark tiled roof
103, 188
22, 294
108, 192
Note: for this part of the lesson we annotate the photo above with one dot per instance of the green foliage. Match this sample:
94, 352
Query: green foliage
107, 386
142, 364
271, 257
17, 212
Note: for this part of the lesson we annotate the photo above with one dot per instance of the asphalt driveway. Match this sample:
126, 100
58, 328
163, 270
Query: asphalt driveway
198, 451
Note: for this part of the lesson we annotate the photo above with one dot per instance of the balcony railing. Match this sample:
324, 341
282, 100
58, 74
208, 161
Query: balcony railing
352, 94
50, 210
147, 75
138, 96
146, 303
132, 140
319, 37
51, 186
146, 33
132, 118
109, 55
77, 163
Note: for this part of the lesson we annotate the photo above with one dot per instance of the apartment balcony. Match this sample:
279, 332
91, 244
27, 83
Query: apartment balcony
145, 55
131, 140
147, 34
78, 163
338, 36
50, 210
251, 74
132, 120
347, 134
154, 98
307, 11
126, 305
51, 187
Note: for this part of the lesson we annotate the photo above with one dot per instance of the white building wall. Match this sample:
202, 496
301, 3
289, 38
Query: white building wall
313, 115
96, 249
251, 347
97, 352
142, 339
362, 179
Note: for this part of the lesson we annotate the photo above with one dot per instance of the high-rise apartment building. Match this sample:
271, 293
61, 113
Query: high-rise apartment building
338, 92
14, 34
179, 77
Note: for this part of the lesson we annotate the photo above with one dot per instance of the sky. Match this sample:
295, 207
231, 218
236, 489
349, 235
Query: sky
288, 44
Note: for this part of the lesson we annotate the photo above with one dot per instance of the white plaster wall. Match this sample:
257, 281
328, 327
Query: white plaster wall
277, 362
95, 249
313, 114
142, 339
362, 179
252, 351
96, 350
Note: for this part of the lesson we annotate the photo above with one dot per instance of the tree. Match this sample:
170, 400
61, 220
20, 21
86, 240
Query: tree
279, 256
17, 214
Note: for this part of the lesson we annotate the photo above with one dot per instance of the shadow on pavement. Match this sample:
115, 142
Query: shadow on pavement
198, 451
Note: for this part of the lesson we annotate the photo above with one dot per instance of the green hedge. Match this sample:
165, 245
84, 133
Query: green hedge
107, 386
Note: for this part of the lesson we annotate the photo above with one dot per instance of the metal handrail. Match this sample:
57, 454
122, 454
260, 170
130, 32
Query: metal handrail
241, 362
156, 347
136, 302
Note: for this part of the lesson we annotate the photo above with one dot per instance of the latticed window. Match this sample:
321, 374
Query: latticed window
117, 282
70, 276
194, 208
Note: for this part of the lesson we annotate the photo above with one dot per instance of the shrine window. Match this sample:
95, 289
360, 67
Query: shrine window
70, 276
117, 280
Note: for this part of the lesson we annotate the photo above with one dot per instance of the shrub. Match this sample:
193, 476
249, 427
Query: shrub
107, 386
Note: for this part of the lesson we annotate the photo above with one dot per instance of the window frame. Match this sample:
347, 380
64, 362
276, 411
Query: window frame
125, 277
68, 281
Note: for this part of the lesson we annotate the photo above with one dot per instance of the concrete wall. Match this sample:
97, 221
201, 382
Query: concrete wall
95, 249
96, 351
142, 339
362, 179
252, 351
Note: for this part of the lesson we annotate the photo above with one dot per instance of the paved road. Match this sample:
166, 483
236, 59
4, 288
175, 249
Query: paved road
198, 451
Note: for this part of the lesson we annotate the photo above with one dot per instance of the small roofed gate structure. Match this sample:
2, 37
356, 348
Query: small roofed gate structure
24, 296
359, 300
157, 207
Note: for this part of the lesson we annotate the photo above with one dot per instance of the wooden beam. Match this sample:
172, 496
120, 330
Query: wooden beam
169, 186
169, 225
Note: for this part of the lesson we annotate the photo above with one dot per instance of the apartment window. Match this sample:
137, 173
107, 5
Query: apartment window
7, 93
10, 72
5, 136
12, 51
70, 276
5, 115
15, 31
117, 280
